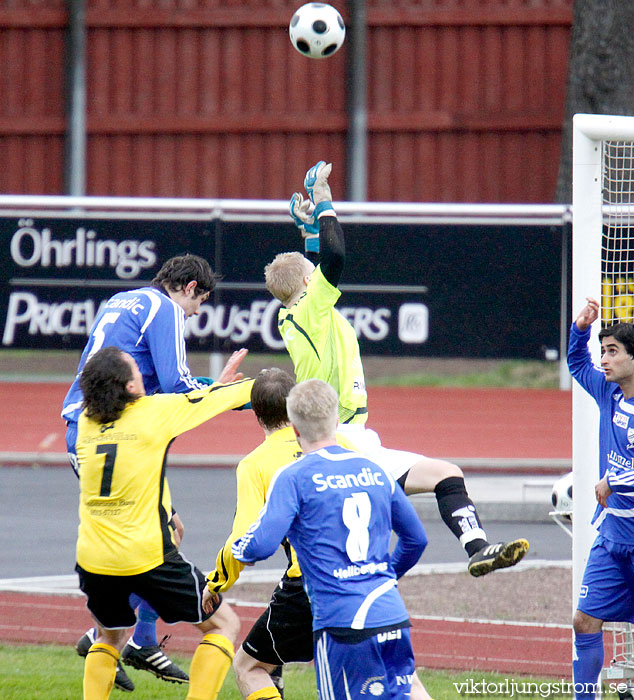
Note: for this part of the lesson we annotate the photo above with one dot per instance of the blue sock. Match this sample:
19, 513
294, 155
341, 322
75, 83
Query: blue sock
587, 664
145, 630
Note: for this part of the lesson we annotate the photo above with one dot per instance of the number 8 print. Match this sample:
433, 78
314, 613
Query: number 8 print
356, 517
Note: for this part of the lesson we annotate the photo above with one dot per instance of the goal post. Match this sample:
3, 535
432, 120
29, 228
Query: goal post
603, 268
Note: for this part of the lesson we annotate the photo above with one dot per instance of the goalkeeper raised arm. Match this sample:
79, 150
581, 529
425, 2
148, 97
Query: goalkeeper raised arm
323, 345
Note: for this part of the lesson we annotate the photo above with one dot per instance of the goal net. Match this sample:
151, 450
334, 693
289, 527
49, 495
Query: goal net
603, 268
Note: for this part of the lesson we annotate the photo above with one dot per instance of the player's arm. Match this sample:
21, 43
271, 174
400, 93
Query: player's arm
619, 482
251, 496
324, 242
412, 538
332, 249
177, 527
263, 538
178, 413
165, 336
580, 362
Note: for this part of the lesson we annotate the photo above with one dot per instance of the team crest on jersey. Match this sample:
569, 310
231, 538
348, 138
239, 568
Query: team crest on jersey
620, 419
630, 438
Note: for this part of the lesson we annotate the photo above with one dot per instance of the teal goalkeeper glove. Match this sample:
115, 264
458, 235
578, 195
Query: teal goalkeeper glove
316, 184
300, 211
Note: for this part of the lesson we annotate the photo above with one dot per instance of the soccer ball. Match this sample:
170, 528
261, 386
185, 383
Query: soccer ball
562, 496
317, 30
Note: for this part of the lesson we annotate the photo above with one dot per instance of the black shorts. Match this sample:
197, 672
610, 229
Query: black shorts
284, 631
174, 589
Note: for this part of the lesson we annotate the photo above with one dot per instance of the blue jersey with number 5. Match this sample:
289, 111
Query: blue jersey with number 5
150, 326
338, 510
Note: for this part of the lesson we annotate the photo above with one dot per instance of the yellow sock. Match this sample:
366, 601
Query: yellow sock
268, 693
209, 667
100, 668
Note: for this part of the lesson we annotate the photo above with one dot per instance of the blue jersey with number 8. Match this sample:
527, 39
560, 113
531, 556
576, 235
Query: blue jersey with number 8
338, 510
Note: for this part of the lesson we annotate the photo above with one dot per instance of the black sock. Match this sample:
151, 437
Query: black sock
459, 513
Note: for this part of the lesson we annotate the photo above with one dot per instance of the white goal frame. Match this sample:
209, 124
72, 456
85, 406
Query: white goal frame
590, 134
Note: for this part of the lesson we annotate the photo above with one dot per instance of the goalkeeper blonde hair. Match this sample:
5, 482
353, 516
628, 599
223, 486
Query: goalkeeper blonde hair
312, 407
284, 276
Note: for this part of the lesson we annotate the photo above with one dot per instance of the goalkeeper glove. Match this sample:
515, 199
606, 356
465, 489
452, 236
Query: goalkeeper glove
208, 381
300, 211
316, 184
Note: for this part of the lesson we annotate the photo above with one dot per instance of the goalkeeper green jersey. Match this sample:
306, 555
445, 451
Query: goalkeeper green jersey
323, 345
125, 503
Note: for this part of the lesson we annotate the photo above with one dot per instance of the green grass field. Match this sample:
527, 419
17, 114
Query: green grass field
55, 673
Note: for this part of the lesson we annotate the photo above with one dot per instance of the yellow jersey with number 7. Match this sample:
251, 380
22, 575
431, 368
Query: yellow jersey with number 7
125, 502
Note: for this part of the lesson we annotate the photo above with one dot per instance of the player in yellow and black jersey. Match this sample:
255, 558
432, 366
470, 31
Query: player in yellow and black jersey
124, 543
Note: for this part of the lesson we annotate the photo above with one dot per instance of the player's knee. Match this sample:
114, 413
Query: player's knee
224, 621
448, 469
426, 474
585, 624
243, 663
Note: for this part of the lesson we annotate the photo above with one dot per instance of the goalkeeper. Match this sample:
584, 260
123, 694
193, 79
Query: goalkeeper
323, 345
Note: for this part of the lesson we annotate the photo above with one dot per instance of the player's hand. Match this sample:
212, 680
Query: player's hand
229, 372
602, 490
178, 528
301, 211
588, 315
316, 182
209, 600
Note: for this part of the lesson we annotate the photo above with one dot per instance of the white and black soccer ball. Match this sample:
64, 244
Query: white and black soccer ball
317, 30
562, 496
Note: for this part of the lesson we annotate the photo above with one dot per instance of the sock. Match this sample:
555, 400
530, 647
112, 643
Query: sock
459, 513
144, 634
210, 664
587, 664
268, 693
100, 669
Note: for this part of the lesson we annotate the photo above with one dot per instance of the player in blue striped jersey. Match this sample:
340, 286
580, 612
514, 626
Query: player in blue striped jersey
149, 324
607, 590
338, 510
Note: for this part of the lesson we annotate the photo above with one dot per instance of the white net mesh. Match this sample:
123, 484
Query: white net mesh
617, 255
617, 304
619, 651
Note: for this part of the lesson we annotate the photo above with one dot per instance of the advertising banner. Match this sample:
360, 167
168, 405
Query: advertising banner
439, 291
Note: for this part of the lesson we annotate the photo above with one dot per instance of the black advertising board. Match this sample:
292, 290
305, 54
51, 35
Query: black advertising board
436, 291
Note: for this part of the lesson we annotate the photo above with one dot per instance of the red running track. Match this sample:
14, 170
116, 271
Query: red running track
495, 423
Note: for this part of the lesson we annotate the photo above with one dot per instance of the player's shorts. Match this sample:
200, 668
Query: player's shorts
607, 589
174, 589
381, 666
284, 631
395, 462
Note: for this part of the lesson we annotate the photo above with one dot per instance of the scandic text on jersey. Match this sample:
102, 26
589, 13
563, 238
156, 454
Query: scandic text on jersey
346, 481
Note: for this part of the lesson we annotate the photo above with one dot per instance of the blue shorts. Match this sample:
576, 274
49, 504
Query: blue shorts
381, 666
607, 589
